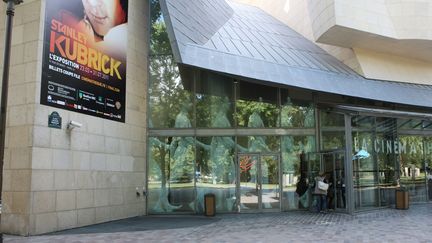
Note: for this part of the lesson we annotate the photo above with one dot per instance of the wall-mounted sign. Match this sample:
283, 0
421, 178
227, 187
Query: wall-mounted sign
84, 58
55, 120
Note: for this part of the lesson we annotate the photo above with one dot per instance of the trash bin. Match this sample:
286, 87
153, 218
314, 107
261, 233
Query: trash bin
402, 199
209, 205
430, 188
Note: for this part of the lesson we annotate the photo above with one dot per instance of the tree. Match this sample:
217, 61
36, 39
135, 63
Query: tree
166, 94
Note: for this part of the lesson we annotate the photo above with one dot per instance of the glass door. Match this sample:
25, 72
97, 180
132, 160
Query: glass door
332, 163
248, 190
259, 187
270, 186
335, 169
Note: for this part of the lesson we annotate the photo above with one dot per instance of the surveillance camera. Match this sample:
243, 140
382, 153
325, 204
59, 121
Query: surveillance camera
73, 124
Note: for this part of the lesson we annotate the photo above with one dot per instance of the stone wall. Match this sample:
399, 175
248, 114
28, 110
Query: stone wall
56, 179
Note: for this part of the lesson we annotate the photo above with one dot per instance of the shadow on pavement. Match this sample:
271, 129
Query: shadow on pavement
142, 224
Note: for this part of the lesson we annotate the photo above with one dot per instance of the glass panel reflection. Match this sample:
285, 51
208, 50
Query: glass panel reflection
332, 164
159, 200
412, 167
260, 144
171, 174
249, 187
257, 109
214, 98
294, 171
270, 182
364, 171
296, 114
169, 86
182, 167
332, 131
387, 159
216, 173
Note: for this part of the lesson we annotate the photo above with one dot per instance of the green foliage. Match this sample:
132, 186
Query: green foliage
166, 89
268, 112
159, 41
155, 10
166, 93
333, 140
410, 158
329, 119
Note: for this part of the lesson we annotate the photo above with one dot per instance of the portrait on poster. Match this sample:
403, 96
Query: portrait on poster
84, 57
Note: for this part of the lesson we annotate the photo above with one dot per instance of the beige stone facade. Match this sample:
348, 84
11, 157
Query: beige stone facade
380, 39
56, 179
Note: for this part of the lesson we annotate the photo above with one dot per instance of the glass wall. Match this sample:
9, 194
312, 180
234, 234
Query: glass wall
388, 153
296, 113
259, 144
365, 169
216, 172
170, 96
171, 174
257, 109
201, 121
428, 167
214, 101
295, 184
332, 128
413, 166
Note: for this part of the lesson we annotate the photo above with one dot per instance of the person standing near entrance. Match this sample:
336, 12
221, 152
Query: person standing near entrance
320, 192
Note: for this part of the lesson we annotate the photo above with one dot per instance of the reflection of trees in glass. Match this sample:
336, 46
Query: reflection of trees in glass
162, 68
182, 149
309, 116
221, 161
293, 115
219, 112
183, 157
294, 168
257, 143
166, 89
414, 155
412, 166
329, 119
291, 148
288, 155
213, 90
215, 166
287, 114
333, 140
158, 157
267, 112
167, 94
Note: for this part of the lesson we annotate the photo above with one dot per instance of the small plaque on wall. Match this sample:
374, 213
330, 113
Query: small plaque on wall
55, 120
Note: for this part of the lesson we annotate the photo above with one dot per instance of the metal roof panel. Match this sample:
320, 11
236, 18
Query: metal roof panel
243, 40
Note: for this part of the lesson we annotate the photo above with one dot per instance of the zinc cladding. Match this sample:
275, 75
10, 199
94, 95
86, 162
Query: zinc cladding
243, 40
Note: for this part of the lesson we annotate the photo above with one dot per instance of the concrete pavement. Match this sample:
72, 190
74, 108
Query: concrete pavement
385, 225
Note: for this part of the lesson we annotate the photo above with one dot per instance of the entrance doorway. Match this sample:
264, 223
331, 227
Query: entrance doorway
332, 163
258, 188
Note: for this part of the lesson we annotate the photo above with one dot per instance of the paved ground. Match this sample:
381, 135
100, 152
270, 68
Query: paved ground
387, 225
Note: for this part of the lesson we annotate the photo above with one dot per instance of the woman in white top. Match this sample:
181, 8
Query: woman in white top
321, 194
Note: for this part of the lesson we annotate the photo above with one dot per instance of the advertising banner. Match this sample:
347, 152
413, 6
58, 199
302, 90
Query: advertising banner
84, 57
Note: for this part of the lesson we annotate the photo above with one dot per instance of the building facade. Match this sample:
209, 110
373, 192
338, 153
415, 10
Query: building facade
223, 98
56, 179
